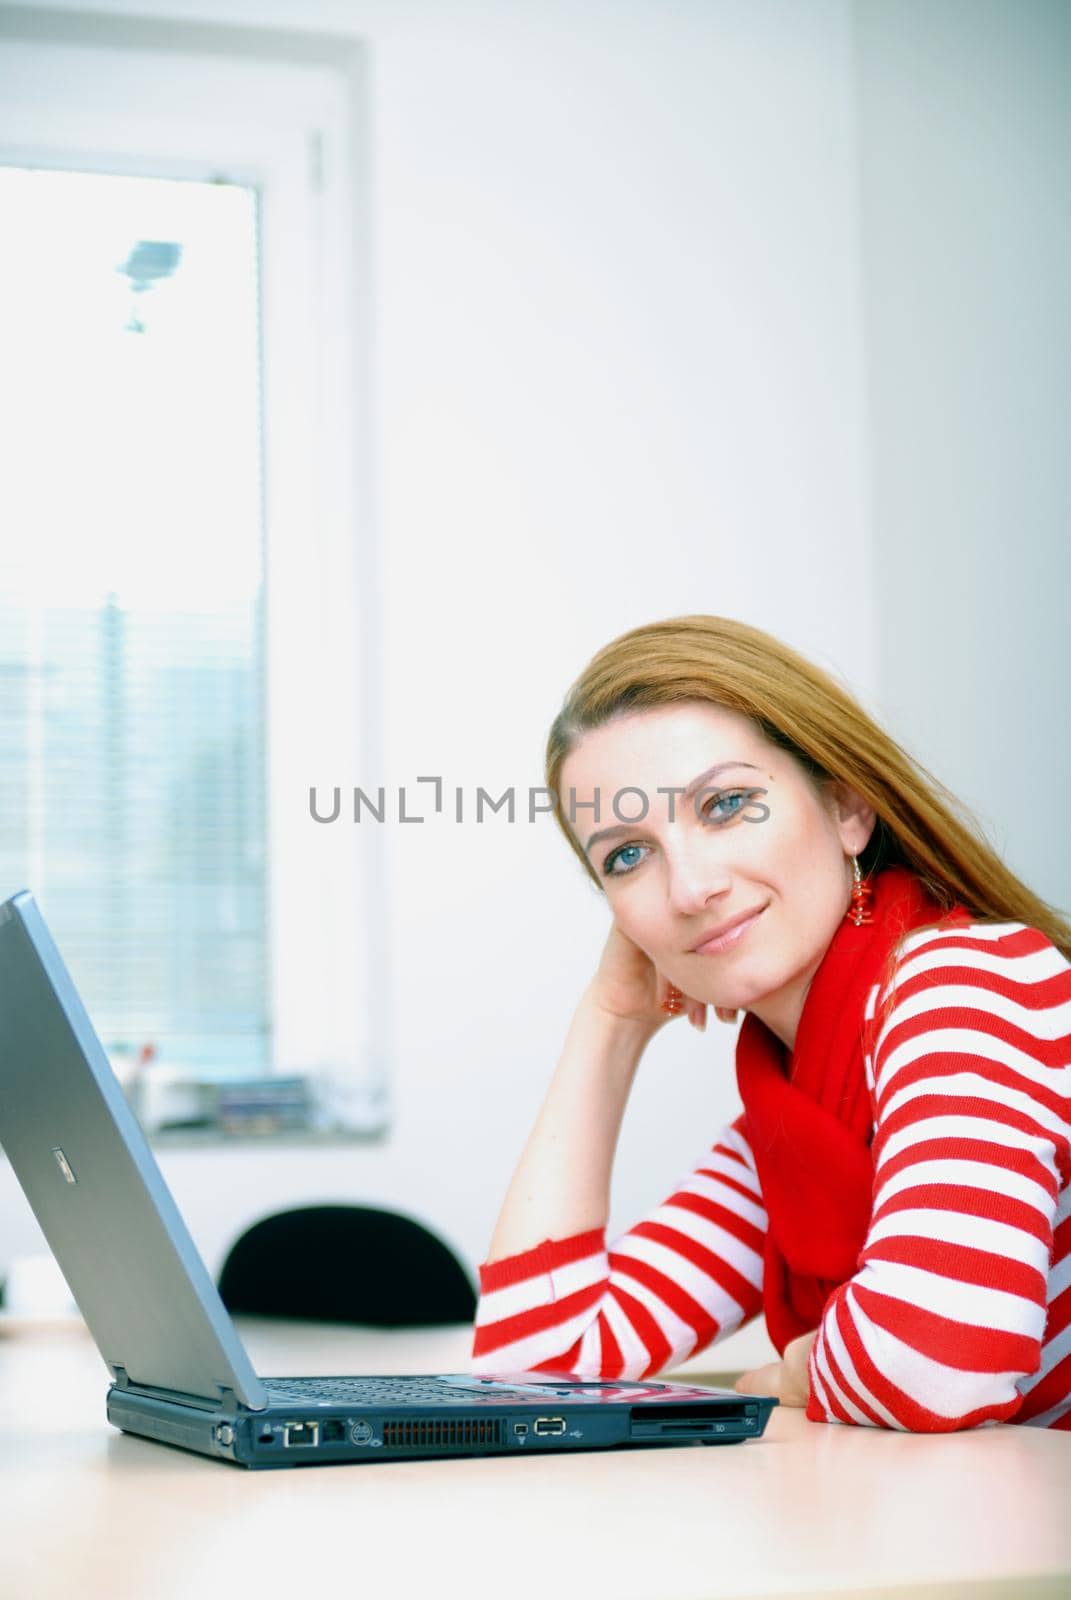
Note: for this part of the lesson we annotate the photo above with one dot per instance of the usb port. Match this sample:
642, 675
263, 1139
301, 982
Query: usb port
545, 1425
301, 1433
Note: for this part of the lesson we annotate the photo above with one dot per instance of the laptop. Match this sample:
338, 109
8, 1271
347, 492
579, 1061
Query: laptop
180, 1374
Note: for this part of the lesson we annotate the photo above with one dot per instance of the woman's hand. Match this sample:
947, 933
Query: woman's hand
628, 984
788, 1379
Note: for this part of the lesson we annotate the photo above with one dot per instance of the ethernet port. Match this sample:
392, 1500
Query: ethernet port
304, 1434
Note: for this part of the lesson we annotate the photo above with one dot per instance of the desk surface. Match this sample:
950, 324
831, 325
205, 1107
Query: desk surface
811, 1509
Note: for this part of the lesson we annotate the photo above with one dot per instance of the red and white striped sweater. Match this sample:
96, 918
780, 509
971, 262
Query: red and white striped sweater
959, 1312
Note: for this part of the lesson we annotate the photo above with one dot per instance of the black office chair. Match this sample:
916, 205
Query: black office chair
346, 1264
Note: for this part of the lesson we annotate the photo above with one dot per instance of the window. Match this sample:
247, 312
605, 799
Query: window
182, 632
131, 661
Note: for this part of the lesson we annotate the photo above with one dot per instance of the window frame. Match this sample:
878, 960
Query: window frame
284, 114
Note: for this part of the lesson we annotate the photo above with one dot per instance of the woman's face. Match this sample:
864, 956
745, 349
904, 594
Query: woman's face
752, 836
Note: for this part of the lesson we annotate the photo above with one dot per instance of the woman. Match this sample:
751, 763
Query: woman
896, 1196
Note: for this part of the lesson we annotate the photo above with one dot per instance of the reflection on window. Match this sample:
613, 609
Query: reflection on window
132, 797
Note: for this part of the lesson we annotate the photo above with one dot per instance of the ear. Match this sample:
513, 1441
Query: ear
853, 817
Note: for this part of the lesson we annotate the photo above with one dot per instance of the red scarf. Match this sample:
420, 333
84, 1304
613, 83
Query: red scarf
810, 1132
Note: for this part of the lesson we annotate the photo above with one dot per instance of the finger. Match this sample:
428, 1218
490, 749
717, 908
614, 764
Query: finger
764, 1380
697, 1014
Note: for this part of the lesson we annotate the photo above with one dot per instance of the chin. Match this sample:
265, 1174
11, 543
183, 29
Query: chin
745, 993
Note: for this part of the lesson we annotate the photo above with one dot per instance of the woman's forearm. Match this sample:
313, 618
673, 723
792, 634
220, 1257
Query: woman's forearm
562, 1183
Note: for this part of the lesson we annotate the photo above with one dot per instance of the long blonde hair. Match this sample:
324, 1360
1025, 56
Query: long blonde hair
802, 710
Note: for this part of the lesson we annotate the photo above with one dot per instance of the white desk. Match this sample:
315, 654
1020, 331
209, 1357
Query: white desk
87, 1513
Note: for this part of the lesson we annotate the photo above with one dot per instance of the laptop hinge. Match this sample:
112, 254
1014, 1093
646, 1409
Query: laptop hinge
227, 1399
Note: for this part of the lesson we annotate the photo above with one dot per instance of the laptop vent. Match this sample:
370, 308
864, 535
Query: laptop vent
422, 1432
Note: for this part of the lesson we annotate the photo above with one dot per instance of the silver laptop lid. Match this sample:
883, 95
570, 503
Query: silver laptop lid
86, 1168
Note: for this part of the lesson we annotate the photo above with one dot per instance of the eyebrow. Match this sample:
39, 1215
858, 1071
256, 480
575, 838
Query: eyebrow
692, 789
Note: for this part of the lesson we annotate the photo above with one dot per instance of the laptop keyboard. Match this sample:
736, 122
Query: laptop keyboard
367, 1391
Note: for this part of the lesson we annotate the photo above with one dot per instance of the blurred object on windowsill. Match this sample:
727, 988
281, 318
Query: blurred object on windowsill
173, 1104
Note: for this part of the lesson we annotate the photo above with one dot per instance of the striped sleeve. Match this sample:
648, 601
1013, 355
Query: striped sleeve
687, 1275
944, 1322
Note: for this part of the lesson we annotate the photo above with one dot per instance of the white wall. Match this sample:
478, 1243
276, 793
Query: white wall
965, 140
621, 374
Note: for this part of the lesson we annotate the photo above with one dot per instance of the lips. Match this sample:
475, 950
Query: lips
729, 932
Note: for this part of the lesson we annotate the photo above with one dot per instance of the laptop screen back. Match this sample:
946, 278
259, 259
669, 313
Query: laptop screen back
86, 1168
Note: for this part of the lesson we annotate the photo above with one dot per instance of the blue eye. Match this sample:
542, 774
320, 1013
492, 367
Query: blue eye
720, 799
741, 796
615, 855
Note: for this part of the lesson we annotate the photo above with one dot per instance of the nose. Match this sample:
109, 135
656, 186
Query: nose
695, 877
